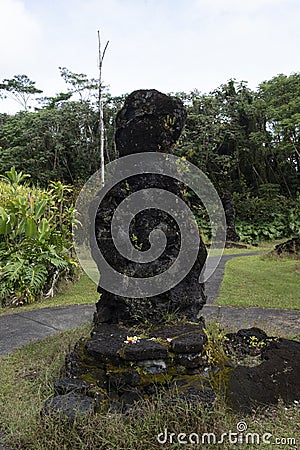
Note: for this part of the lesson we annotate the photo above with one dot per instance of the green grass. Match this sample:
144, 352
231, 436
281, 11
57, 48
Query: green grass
81, 292
26, 381
261, 281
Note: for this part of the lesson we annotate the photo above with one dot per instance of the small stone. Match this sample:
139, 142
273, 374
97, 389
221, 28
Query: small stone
189, 343
192, 389
150, 389
69, 406
247, 333
153, 367
120, 380
145, 350
115, 407
176, 330
189, 360
68, 385
248, 341
106, 342
292, 247
130, 397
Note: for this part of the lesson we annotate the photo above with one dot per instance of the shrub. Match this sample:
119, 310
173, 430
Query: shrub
35, 239
266, 217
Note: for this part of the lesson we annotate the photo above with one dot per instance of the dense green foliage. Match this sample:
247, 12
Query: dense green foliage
246, 141
267, 217
35, 239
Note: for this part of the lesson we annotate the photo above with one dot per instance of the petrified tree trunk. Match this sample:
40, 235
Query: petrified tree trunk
112, 369
149, 122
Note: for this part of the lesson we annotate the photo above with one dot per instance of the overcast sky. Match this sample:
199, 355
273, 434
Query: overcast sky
169, 45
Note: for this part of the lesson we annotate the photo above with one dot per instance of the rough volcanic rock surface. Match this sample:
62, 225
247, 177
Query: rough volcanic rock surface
292, 247
116, 370
149, 121
277, 377
113, 369
70, 406
228, 205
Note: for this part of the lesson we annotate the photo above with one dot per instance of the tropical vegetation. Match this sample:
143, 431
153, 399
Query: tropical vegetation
35, 238
247, 142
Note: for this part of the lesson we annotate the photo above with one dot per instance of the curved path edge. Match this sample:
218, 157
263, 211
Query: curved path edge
213, 284
25, 327
30, 326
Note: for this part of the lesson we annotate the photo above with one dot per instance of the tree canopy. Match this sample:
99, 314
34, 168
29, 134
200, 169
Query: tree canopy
246, 141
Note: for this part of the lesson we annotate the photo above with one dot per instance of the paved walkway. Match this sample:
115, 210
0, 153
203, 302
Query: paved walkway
22, 328
279, 322
29, 326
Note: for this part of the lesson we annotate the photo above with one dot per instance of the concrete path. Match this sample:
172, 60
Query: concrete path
22, 328
277, 322
30, 326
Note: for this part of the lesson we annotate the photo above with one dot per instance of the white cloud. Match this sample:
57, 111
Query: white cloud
237, 6
171, 45
19, 36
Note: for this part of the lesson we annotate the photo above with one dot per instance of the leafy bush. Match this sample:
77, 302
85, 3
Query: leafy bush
35, 239
267, 217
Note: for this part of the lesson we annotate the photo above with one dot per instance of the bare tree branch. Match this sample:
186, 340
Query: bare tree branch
101, 120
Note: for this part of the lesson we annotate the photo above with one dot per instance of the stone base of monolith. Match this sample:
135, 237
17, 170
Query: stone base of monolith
118, 367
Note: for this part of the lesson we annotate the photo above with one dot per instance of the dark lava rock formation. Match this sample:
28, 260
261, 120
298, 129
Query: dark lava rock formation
149, 122
291, 247
274, 377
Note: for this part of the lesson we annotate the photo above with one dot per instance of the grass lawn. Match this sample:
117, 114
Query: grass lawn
27, 376
261, 281
26, 381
